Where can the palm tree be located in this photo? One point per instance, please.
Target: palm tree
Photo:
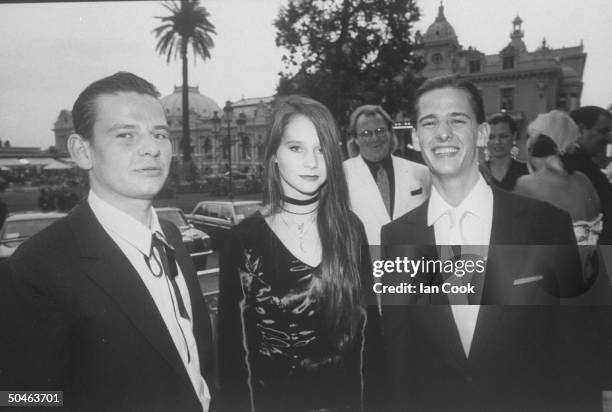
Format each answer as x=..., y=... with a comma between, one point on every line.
x=186, y=25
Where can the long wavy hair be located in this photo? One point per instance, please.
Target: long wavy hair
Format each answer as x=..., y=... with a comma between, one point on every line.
x=337, y=286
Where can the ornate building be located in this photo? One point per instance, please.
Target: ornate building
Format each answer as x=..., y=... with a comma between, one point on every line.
x=213, y=134
x=62, y=128
x=515, y=80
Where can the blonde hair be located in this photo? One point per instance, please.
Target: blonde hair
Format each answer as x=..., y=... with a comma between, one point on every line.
x=557, y=125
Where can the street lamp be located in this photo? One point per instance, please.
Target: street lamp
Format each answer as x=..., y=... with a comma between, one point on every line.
x=216, y=121
x=228, y=115
x=241, y=125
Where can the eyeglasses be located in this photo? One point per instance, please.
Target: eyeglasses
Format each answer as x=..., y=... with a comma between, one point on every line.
x=370, y=134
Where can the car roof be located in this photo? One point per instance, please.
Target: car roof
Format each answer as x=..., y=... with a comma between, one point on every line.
x=34, y=216
x=168, y=209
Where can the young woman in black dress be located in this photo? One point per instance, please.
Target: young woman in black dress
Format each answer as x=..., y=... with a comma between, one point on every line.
x=296, y=315
x=502, y=169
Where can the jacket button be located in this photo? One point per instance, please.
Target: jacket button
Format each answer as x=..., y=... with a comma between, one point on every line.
x=469, y=378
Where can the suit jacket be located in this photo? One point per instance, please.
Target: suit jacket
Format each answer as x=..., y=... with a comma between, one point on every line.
x=412, y=183
x=85, y=323
x=514, y=360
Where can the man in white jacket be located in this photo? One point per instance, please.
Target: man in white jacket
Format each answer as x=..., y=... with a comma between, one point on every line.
x=382, y=187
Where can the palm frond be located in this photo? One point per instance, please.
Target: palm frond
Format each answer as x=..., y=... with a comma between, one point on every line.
x=187, y=23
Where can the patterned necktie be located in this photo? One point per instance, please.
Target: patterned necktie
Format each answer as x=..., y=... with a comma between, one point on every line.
x=161, y=261
x=382, y=181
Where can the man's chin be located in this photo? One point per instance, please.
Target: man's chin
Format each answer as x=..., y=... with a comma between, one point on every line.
x=147, y=192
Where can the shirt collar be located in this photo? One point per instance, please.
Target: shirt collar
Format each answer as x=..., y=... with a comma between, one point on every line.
x=478, y=202
x=123, y=225
x=386, y=162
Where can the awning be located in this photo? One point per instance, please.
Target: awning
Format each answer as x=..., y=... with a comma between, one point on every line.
x=8, y=161
x=27, y=161
x=39, y=161
x=57, y=166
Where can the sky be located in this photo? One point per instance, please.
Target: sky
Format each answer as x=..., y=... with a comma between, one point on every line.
x=49, y=52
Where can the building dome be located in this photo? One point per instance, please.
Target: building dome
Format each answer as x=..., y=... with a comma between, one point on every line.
x=440, y=29
x=198, y=103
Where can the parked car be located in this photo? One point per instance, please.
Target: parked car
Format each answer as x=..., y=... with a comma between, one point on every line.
x=242, y=183
x=217, y=217
x=19, y=227
x=197, y=242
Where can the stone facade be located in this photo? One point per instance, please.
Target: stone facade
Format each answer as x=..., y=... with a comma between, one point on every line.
x=523, y=83
x=62, y=128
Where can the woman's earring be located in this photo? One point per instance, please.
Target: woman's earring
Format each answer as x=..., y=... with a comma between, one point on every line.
x=487, y=154
x=514, y=152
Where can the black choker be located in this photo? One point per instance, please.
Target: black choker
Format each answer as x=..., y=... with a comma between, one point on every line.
x=297, y=202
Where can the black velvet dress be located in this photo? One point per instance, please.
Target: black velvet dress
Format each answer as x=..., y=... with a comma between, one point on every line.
x=516, y=169
x=274, y=353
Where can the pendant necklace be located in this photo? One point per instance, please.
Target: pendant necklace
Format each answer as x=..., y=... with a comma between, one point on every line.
x=301, y=228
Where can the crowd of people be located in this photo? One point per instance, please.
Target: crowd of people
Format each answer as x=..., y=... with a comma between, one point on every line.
x=62, y=196
x=105, y=304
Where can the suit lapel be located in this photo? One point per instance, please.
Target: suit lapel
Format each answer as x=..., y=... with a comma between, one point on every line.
x=506, y=219
x=441, y=325
x=503, y=228
x=420, y=233
x=401, y=193
x=106, y=265
x=486, y=325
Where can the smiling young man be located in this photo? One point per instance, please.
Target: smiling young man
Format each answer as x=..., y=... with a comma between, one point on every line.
x=108, y=298
x=448, y=351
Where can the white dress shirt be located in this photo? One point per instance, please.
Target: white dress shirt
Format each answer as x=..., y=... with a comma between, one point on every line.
x=469, y=223
x=134, y=240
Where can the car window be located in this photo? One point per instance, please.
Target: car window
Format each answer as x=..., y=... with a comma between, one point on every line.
x=247, y=210
x=200, y=210
x=25, y=228
x=226, y=212
x=212, y=210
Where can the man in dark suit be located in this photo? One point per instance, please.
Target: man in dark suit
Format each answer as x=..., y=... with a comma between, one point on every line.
x=106, y=305
x=595, y=124
x=465, y=351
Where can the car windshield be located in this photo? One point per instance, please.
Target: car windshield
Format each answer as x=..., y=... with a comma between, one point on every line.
x=16, y=229
x=247, y=210
x=173, y=216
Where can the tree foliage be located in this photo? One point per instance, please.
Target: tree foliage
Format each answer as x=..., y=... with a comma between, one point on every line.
x=349, y=52
x=186, y=25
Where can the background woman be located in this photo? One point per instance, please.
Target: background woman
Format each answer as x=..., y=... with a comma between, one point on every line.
x=294, y=279
x=550, y=135
x=501, y=167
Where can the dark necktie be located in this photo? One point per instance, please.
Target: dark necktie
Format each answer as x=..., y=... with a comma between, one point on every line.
x=161, y=261
x=475, y=279
x=382, y=181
